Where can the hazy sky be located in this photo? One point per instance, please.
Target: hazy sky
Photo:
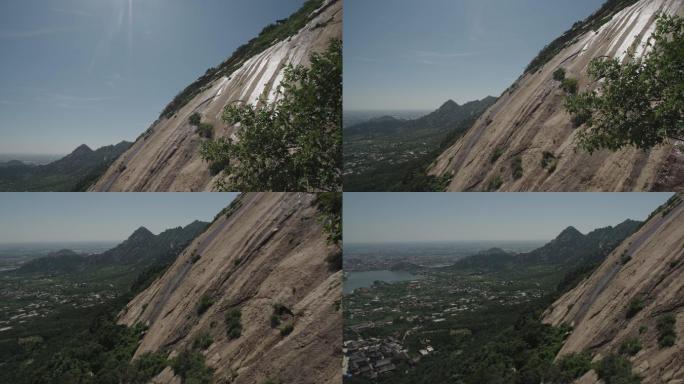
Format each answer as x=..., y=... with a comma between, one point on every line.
x=407, y=217
x=67, y=217
x=408, y=54
x=100, y=71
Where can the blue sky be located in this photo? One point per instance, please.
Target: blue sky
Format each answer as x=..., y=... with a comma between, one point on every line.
x=414, y=55
x=98, y=72
x=74, y=217
x=409, y=217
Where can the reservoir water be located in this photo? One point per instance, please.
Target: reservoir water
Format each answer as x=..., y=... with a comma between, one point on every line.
x=354, y=280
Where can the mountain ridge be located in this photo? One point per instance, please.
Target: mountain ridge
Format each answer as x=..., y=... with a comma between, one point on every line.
x=73, y=172
x=141, y=249
x=570, y=248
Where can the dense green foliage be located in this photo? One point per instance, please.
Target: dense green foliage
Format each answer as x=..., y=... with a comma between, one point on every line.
x=295, y=144
x=614, y=369
x=559, y=74
x=270, y=35
x=190, y=366
x=639, y=103
x=329, y=205
x=569, y=85
x=666, y=330
x=205, y=130
x=91, y=349
x=572, y=366
x=195, y=119
x=517, y=348
x=233, y=323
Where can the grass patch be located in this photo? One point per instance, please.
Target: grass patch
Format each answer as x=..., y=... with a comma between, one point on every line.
x=630, y=347
x=204, y=304
x=496, y=155
x=234, y=323
x=190, y=366
x=495, y=184
x=195, y=119
x=202, y=341
x=666, y=330
x=634, y=307
x=572, y=366
x=614, y=369
x=559, y=74
x=517, y=168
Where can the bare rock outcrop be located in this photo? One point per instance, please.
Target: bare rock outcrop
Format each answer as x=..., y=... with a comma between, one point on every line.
x=645, y=273
x=529, y=123
x=166, y=157
x=268, y=250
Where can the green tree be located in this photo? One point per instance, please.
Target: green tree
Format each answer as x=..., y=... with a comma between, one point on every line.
x=234, y=323
x=294, y=144
x=559, y=74
x=640, y=102
x=329, y=207
x=195, y=119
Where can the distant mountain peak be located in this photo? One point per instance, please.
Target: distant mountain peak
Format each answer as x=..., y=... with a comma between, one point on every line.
x=383, y=119
x=492, y=251
x=569, y=233
x=62, y=252
x=83, y=148
x=141, y=233
x=449, y=104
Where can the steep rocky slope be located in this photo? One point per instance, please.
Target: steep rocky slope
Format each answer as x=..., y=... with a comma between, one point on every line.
x=265, y=249
x=648, y=267
x=529, y=122
x=166, y=158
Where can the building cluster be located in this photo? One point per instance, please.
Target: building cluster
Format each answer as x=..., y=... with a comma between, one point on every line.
x=372, y=357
